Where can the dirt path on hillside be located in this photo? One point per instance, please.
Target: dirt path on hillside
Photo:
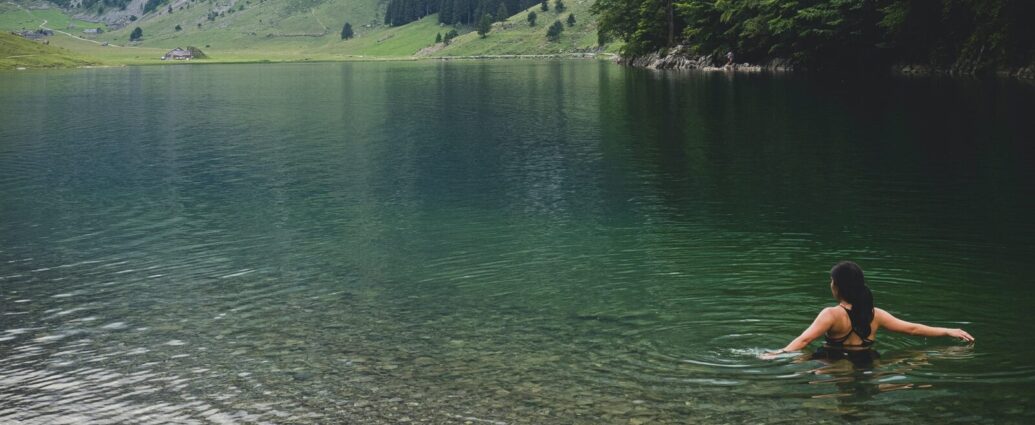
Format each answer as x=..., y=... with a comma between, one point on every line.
x=43, y=26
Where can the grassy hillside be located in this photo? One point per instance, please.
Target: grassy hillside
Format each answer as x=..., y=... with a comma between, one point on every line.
x=281, y=30
x=17, y=52
x=14, y=17
x=516, y=37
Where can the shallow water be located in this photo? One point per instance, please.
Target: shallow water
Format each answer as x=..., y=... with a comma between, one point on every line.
x=504, y=242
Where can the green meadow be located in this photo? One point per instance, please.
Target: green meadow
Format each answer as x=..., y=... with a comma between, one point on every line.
x=301, y=30
x=17, y=52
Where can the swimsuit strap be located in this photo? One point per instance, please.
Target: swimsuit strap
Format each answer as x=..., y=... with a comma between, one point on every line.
x=851, y=330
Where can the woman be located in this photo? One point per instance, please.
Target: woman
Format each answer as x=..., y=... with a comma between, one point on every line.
x=851, y=327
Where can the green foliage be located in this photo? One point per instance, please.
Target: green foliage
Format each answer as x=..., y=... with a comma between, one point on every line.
x=137, y=34
x=400, y=12
x=196, y=53
x=450, y=36
x=531, y=18
x=830, y=33
x=501, y=13
x=346, y=31
x=484, y=25
x=151, y=5
x=559, y=6
x=178, y=28
x=543, y=6
x=571, y=19
x=438, y=38
x=555, y=30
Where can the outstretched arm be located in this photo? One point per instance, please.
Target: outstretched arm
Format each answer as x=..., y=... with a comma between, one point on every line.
x=819, y=327
x=894, y=324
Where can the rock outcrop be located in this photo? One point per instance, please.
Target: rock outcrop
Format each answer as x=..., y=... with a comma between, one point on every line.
x=679, y=57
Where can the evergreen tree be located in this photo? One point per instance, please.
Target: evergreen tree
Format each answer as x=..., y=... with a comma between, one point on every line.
x=178, y=27
x=438, y=38
x=571, y=19
x=484, y=25
x=544, y=7
x=977, y=34
x=346, y=31
x=501, y=12
x=445, y=12
x=554, y=33
x=559, y=6
x=531, y=18
x=137, y=34
x=450, y=36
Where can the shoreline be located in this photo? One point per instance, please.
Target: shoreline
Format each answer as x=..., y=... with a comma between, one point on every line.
x=358, y=58
x=679, y=59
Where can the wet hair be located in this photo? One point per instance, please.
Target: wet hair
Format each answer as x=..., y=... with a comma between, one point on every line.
x=851, y=287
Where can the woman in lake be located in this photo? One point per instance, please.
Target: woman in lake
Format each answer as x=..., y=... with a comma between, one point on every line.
x=851, y=327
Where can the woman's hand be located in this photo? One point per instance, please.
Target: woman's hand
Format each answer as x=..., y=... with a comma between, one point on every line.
x=959, y=333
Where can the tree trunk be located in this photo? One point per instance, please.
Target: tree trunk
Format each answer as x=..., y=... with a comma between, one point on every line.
x=671, y=25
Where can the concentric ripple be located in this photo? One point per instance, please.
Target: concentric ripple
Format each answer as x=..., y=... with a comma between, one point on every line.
x=504, y=243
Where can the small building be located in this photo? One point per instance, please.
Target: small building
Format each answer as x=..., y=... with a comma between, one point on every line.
x=35, y=34
x=93, y=31
x=178, y=54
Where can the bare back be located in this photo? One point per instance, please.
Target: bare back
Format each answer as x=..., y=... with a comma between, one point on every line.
x=842, y=326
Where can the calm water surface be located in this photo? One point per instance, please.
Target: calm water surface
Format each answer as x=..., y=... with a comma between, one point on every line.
x=504, y=243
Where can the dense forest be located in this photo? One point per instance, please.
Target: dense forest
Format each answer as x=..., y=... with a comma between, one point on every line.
x=451, y=12
x=86, y=4
x=968, y=35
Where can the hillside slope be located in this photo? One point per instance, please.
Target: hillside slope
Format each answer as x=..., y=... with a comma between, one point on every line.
x=250, y=30
x=516, y=37
x=17, y=52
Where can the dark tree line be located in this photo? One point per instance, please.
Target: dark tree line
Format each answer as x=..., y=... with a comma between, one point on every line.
x=152, y=5
x=830, y=33
x=452, y=12
x=86, y=4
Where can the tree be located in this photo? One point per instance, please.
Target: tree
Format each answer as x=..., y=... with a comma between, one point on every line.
x=137, y=34
x=132, y=18
x=178, y=28
x=438, y=38
x=544, y=7
x=450, y=36
x=501, y=12
x=531, y=18
x=554, y=33
x=346, y=31
x=571, y=19
x=484, y=25
x=559, y=6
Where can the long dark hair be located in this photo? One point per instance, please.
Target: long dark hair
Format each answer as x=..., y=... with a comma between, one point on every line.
x=851, y=287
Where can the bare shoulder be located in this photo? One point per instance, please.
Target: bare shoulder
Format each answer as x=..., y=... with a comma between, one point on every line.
x=827, y=313
x=882, y=315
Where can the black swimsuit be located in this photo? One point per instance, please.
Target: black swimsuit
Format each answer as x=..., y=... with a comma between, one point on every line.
x=839, y=343
x=835, y=349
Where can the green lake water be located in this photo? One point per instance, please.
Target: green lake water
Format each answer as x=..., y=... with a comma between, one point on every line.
x=558, y=242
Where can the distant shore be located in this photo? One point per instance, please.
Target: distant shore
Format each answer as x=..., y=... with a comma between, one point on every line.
x=243, y=57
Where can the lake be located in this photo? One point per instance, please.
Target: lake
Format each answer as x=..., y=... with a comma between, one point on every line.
x=505, y=242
